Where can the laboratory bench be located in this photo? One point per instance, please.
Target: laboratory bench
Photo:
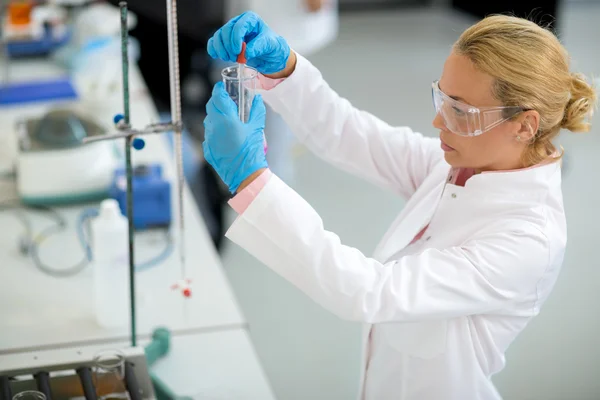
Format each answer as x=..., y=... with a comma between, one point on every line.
x=205, y=366
x=211, y=355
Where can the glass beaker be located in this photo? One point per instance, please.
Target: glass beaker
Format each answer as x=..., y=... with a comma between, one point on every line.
x=243, y=88
x=109, y=375
x=29, y=395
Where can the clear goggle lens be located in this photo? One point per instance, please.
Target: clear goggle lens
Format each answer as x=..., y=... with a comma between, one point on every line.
x=466, y=120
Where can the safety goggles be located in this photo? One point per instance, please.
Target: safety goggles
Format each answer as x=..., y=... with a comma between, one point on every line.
x=466, y=120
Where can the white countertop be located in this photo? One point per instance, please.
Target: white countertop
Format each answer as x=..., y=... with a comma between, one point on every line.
x=208, y=366
x=211, y=355
x=39, y=311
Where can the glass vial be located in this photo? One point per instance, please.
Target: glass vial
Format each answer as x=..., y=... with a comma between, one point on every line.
x=109, y=375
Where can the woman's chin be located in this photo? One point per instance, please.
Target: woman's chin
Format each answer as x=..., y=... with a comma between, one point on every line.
x=452, y=158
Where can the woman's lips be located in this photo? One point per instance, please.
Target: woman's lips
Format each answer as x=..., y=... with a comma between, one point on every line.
x=446, y=148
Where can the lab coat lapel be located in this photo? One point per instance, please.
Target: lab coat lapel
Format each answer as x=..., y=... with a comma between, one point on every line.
x=416, y=215
x=365, y=355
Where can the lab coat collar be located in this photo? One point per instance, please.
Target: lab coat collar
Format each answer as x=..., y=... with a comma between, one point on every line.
x=488, y=193
x=530, y=182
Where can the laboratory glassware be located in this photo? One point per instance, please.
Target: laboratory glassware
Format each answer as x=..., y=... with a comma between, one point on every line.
x=109, y=375
x=241, y=88
x=29, y=395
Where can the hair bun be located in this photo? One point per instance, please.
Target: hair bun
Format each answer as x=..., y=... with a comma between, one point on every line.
x=580, y=106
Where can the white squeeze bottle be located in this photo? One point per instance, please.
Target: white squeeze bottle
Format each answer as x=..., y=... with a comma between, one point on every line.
x=110, y=263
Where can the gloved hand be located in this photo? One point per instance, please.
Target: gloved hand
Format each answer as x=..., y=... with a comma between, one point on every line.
x=266, y=51
x=233, y=148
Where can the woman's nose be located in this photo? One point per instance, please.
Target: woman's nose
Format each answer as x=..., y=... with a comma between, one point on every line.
x=438, y=122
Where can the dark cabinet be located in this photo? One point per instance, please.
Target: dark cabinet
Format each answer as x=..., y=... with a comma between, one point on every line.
x=543, y=12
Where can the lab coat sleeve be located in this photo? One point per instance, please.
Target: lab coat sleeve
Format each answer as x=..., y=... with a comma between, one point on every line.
x=392, y=157
x=494, y=272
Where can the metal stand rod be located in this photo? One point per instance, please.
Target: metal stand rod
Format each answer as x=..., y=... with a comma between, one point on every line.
x=125, y=133
x=5, y=390
x=176, y=118
x=128, y=167
x=87, y=383
x=133, y=388
x=43, y=383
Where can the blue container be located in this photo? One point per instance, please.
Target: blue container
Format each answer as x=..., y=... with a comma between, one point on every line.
x=151, y=196
x=60, y=89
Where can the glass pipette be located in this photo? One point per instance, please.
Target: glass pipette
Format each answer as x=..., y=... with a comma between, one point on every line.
x=241, y=61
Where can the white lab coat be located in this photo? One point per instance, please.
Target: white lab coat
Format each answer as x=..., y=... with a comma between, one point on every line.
x=443, y=310
x=306, y=32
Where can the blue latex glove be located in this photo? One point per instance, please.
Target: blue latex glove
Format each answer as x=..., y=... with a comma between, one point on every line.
x=266, y=51
x=233, y=148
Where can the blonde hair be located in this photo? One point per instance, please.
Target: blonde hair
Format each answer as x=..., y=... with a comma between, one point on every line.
x=531, y=70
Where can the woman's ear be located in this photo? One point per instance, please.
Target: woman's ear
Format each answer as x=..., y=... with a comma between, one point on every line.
x=530, y=123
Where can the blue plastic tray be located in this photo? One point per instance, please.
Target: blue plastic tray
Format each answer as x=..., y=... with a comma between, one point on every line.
x=43, y=46
x=20, y=93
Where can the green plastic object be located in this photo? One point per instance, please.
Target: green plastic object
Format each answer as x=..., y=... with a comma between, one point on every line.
x=163, y=392
x=155, y=350
x=159, y=347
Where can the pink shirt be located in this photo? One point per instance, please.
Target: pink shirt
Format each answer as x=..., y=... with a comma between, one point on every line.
x=268, y=83
x=243, y=199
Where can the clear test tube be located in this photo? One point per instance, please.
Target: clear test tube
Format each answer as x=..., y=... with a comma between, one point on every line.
x=247, y=85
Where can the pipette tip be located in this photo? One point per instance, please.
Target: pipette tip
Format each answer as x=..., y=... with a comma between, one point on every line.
x=241, y=58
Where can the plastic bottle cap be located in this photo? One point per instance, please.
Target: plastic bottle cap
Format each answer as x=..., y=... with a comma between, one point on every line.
x=118, y=118
x=138, y=143
x=109, y=209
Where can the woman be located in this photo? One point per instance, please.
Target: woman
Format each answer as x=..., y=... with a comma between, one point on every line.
x=479, y=245
x=308, y=26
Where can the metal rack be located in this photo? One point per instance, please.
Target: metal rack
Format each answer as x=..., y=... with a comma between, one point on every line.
x=66, y=373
